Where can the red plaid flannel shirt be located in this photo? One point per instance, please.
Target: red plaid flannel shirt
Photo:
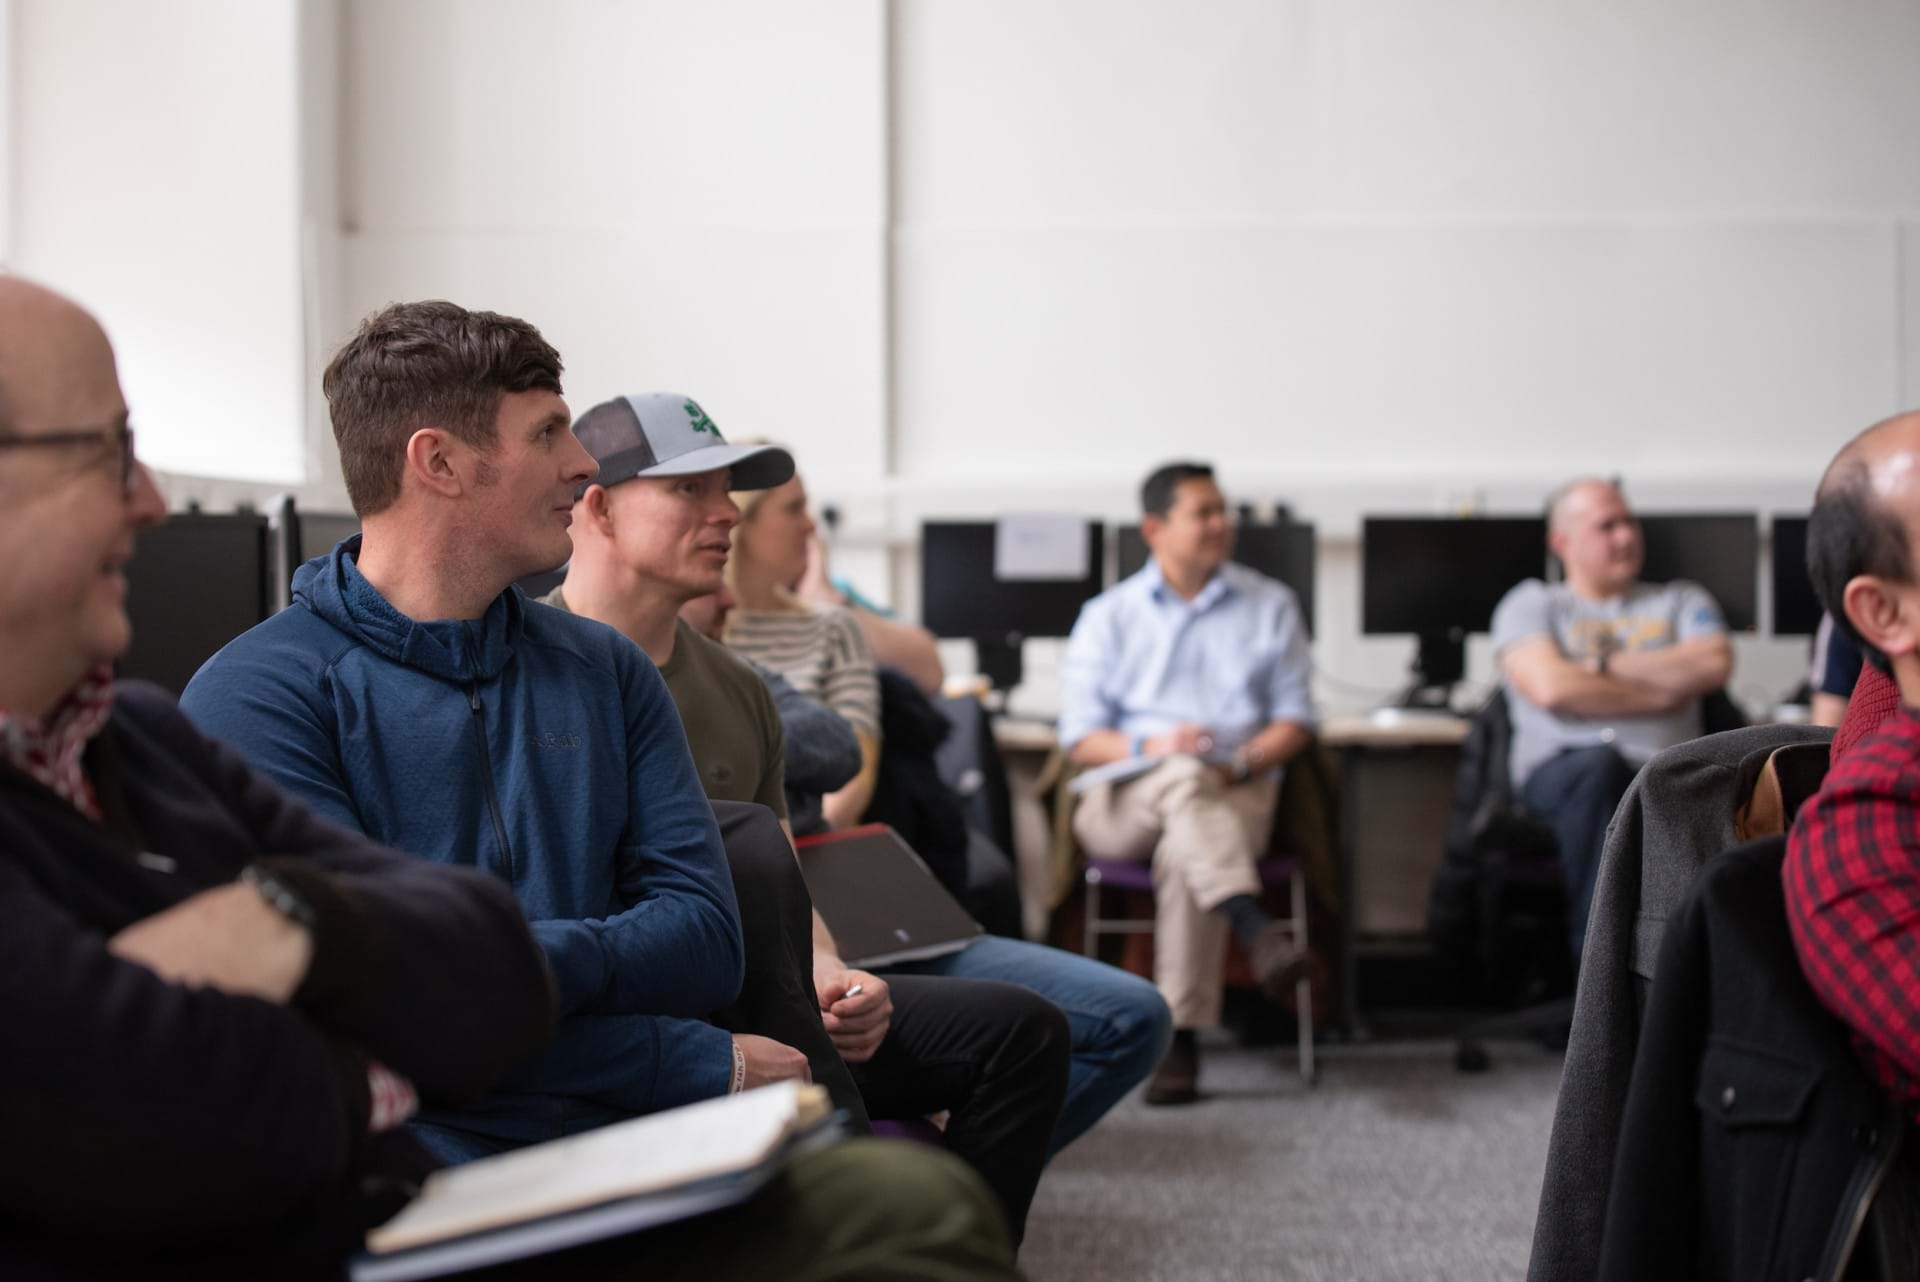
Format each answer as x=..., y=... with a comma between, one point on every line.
x=1852, y=880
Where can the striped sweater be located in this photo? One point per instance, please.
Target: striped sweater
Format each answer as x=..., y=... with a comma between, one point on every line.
x=822, y=652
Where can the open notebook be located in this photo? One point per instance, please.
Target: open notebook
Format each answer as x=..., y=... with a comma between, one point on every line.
x=620, y=1178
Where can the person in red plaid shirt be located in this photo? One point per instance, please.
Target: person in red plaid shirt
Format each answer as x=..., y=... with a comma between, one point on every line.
x=1852, y=872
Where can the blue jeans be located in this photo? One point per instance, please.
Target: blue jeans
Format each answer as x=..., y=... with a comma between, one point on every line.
x=1575, y=794
x=1121, y=1025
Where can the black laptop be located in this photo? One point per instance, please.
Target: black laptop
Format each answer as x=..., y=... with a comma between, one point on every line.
x=879, y=900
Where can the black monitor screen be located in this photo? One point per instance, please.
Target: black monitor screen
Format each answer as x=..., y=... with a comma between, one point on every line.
x=321, y=531
x=1796, y=609
x=1283, y=552
x=961, y=597
x=195, y=583
x=1432, y=575
x=1720, y=551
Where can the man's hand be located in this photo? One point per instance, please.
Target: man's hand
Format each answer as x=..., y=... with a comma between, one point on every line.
x=769, y=1061
x=1187, y=738
x=857, y=1024
x=225, y=938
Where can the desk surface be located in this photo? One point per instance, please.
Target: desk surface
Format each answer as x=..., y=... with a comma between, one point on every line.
x=1015, y=735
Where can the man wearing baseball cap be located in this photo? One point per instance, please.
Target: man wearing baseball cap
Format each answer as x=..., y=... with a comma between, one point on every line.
x=650, y=533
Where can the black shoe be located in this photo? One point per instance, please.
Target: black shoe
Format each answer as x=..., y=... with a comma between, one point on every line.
x=1177, y=1080
x=1276, y=963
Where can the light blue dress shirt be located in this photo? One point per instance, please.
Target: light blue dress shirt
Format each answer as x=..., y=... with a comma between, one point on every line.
x=1142, y=660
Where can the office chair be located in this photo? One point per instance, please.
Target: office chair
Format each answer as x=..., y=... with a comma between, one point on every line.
x=1277, y=872
x=1498, y=907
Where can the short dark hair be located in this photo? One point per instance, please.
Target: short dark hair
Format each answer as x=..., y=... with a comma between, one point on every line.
x=1849, y=534
x=425, y=364
x=1157, y=494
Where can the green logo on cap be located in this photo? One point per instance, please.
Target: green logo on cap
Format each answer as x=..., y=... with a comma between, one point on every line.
x=701, y=423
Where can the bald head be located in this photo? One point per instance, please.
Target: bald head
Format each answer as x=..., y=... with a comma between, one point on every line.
x=1593, y=532
x=56, y=366
x=1865, y=515
x=1568, y=503
x=1885, y=459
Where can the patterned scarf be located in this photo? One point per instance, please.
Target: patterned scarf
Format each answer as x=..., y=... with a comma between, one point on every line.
x=49, y=751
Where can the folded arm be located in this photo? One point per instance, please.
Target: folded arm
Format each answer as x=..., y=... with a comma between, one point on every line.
x=1681, y=672
x=184, y=1114
x=1537, y=670
x=430, y=968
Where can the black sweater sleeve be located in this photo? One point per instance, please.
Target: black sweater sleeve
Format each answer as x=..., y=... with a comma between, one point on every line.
x=171, y=1114
x=431, y=969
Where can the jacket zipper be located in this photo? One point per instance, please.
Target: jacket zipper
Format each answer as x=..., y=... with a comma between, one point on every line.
x=486, y=773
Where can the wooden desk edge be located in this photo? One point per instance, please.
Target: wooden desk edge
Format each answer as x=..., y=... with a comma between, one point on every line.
x=1335, y=732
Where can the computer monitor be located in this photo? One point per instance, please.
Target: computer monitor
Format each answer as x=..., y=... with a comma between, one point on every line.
x=321, y=532
x=960, y=596
x=1284, y=552
x=1439, y=579
x=196, y=582
x=1796, y=609
x=1718, y=550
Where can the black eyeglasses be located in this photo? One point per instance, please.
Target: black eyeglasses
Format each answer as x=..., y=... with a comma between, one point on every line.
x=115, y=435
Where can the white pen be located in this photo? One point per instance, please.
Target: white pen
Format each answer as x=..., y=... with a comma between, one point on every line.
x=852, y=992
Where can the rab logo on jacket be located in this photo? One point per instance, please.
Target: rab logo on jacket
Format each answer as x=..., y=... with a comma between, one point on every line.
x=555, y=742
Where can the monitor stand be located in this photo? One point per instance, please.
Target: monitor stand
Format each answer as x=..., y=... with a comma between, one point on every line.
x=1440, y=663
x=998, y=660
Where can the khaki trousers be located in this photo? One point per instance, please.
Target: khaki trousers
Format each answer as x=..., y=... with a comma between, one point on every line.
x=1204, y=836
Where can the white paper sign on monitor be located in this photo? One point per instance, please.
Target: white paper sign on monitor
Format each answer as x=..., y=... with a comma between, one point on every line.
x=1040, y=547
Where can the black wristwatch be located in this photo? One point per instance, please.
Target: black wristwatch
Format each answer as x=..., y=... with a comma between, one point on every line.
x=279, y=896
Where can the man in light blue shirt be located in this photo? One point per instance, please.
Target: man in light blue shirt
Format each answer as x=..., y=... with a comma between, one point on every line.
x=1186, y=686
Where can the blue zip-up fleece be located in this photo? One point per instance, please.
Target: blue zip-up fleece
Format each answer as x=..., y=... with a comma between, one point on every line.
x=545, y=749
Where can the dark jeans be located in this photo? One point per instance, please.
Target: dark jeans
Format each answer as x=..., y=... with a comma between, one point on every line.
x=776, y=918
x=1121, y=1025
x=1575, y=794
x=994, y=1054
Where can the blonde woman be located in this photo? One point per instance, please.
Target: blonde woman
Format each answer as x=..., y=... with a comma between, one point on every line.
x=822, y=651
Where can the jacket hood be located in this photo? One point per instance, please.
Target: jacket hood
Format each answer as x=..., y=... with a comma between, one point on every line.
x=461, y=650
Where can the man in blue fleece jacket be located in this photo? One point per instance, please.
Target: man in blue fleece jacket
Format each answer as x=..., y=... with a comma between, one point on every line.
x=412, y=694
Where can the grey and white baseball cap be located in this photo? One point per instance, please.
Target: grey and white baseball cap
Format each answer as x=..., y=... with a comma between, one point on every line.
x=666, y=434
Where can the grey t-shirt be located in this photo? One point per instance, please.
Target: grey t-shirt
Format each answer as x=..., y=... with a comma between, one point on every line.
x=1647, y=617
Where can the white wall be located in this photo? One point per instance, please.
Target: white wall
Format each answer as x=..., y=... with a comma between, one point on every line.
x=1403, y=243
x=154, y=174
x=684, y=197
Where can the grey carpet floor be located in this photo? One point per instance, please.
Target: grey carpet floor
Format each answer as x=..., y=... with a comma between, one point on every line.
x=1394, y=1168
